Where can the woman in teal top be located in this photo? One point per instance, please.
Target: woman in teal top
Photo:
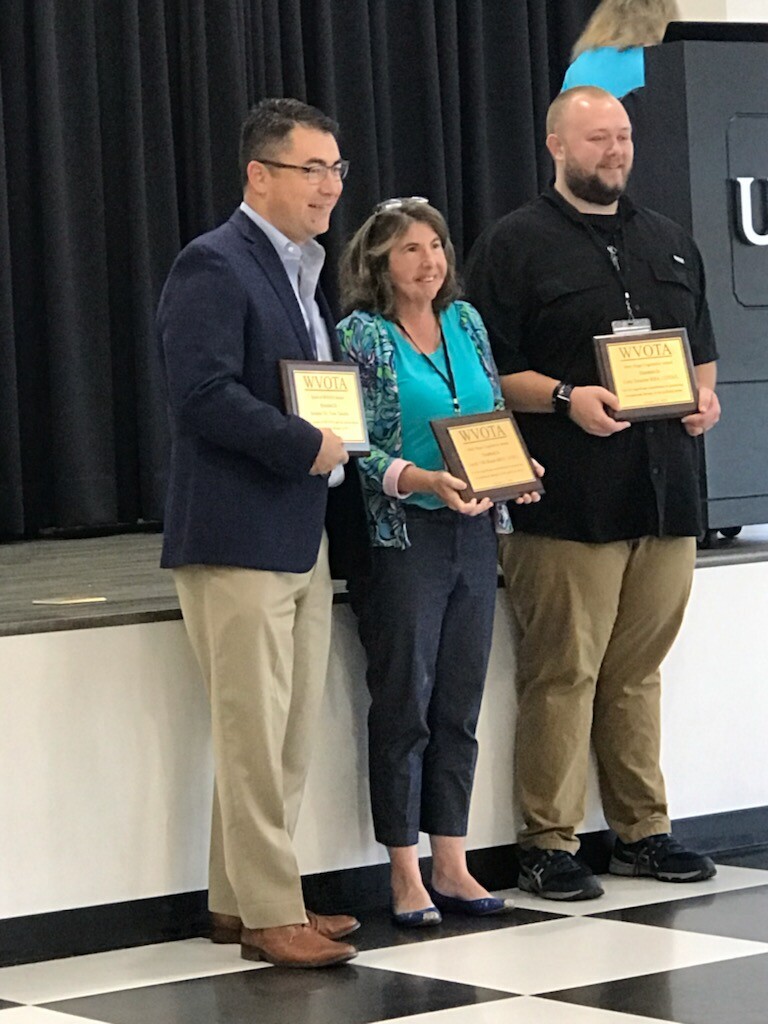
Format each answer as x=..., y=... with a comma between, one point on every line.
x=421, y=401
x=427, y=614
x=610, y=51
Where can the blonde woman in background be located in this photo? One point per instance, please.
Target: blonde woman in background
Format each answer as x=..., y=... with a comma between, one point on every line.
x=609, y=52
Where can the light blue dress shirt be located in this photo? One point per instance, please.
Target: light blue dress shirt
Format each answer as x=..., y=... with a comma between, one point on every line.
x=302, y=264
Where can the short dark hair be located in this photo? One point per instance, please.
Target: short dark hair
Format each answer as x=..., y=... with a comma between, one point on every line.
x=364, y=269
x=268, y=125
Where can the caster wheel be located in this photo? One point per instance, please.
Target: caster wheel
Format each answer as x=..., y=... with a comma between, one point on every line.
x=709, y=540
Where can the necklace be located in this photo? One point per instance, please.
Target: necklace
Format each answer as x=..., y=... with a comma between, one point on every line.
x=446, y=377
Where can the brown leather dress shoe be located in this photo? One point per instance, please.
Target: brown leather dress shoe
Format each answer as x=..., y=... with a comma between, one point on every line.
x=293, y=945
x=333, y=926
x=226, y=928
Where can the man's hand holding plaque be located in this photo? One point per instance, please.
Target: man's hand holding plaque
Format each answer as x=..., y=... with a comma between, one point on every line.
x=650, y=372
x=488, y=452
x=329, y=396
x=707, y=414
x=595, y=409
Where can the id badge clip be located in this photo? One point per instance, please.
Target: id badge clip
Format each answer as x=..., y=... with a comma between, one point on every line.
x=630, y=326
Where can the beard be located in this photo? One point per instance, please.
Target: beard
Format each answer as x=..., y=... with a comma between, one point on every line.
x=591, y=188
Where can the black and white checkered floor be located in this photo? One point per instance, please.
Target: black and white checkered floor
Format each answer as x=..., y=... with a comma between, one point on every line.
x=694, y=954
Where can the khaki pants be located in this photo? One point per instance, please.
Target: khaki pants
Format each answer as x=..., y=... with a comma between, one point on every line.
x=594, y=623
x=262, y=641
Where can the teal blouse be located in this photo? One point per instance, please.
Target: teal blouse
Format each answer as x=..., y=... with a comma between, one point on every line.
x=426, y=395
x=369, y=341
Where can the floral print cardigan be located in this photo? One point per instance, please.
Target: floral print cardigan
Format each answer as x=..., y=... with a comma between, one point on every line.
x=365, y=341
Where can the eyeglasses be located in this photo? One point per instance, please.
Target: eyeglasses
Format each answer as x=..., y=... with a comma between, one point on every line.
x=397, y=204
x=315, y=173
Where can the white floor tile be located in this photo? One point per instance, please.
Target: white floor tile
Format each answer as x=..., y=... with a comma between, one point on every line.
x=525, y=1010
x=554, y=955
x=118, y=969
x=621, y=893
x=37, y=1015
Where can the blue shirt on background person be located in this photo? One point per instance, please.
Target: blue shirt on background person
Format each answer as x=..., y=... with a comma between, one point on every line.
x=616, y=71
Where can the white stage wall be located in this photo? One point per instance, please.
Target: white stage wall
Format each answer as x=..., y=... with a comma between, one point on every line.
x=105, y=757
x=724, y=10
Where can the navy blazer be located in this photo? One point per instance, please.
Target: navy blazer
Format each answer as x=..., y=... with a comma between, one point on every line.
x=240, y=492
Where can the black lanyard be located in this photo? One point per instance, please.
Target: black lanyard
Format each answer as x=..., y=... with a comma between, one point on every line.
x=447, y=377
x=612, y=254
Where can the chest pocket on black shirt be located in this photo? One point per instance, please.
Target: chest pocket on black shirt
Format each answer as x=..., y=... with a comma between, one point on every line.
x=679, y=287
x=674, y=273
x=571, y=310
x=569, y=283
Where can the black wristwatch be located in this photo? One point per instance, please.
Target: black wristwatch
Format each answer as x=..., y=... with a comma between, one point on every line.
x=561, y=399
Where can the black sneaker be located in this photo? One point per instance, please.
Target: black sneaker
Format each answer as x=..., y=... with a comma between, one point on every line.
x=660, y=857
x=556, y=875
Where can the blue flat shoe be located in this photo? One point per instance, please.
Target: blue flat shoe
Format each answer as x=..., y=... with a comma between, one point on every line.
x=483, y=907
x=417, y=918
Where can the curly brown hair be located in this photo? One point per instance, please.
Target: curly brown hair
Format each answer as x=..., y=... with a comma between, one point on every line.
x=364, y=269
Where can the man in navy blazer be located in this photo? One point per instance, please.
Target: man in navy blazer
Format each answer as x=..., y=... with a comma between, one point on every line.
x=244, y=526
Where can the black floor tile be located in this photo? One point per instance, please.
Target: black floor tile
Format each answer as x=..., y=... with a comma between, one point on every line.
x=272, y=995
x=739, y=915
x=727, y=992
x=378, y=930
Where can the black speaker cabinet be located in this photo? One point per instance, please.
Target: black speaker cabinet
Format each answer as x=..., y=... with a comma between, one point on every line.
x=701, y=127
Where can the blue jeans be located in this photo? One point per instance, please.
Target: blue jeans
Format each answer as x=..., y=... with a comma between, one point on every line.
x=426, y=624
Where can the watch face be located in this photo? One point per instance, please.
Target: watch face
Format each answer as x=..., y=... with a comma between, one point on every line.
x=563, y=399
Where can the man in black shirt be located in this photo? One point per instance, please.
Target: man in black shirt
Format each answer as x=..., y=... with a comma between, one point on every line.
x=599, y=573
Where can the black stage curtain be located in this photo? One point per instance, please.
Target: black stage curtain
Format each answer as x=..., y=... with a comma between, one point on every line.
x=118, y=141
